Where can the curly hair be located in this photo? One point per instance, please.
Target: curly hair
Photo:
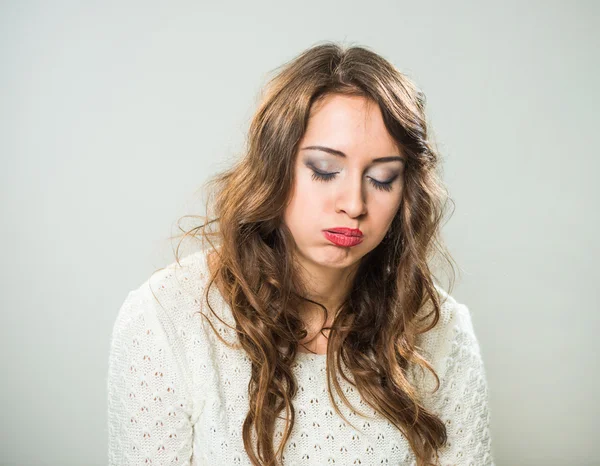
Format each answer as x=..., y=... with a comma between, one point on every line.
x=374, y=332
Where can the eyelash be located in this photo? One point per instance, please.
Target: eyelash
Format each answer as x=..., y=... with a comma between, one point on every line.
x=377, y=184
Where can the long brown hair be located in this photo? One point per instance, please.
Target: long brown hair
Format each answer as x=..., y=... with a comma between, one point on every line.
x=374, y=332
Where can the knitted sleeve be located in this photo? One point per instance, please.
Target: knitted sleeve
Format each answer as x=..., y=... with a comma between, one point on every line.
x=462, y=399
x=149, y=410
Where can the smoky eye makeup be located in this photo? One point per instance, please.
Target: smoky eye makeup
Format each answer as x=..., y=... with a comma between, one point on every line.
x=320, y=163
x=325, y=176
x=325, y=169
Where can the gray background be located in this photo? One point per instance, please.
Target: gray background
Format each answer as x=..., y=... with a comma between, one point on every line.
x=114, y=113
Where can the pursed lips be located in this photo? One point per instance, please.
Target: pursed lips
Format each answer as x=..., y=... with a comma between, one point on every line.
x=346, y=231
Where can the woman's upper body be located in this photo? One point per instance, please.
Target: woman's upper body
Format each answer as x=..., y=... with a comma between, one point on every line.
x=177, y=395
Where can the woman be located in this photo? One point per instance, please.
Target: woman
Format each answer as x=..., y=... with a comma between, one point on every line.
x=313, y=331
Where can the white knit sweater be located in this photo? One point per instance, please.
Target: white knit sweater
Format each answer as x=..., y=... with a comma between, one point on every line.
x=178, y=396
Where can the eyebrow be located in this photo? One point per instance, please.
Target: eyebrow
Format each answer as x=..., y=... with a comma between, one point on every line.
x=339, y=153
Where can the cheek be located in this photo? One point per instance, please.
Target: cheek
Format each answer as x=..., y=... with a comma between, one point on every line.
x=385, y=204
x=383, y=213
x=313, y=196
x=302, y=212
x=309, y=208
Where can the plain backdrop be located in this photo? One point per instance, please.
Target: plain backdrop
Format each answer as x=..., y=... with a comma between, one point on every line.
x=113, y=114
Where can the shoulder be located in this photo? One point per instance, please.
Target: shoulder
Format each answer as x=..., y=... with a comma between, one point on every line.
x=167, y=298
x=454, y=315
x=454, y=327
x=162, y=313
x=169, y=283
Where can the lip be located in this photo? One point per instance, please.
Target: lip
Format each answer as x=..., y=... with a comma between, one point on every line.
x=339, y=239
x=355, y=232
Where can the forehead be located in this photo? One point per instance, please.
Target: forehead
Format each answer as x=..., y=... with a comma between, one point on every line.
x=349, y=122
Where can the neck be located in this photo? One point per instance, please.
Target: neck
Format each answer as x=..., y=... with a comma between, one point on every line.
x=327, y=286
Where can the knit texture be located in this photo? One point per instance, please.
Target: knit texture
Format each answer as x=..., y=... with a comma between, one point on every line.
x=178, y=396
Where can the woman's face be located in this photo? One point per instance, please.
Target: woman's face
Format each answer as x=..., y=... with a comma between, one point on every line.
x=351, y=189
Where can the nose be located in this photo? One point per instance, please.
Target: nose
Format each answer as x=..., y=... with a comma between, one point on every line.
x=350, y=197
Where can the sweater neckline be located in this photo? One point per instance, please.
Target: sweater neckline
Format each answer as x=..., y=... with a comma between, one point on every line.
x=311, y=358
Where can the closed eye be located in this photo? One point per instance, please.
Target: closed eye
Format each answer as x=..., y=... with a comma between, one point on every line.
x=381, y=185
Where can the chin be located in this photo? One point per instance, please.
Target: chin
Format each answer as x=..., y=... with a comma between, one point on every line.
x=336, y=257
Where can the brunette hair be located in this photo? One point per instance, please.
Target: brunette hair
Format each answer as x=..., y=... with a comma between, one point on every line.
x=374, y=332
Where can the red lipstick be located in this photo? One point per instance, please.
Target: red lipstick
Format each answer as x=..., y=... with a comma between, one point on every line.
x=345, y=237
x=346, y=231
